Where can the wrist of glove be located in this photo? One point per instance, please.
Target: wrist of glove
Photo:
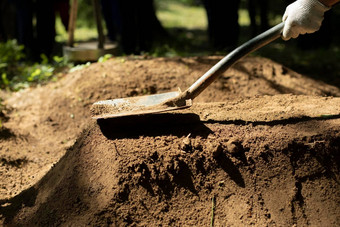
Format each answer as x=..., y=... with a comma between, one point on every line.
x=301, y=17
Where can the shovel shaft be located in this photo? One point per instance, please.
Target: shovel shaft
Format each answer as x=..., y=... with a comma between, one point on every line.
x=225, y=63
x=72, y=22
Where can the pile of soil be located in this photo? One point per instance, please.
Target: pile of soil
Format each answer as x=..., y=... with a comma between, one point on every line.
x=259, y=147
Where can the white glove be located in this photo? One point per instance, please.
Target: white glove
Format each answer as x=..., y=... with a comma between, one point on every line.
x=301, y=17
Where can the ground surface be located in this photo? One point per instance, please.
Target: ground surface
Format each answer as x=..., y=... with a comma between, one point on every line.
x=259, y=147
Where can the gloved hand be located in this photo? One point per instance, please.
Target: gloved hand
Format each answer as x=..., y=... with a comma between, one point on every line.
x=301, y=17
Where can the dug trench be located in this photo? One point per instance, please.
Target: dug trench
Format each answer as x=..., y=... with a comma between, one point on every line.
x=260, y=147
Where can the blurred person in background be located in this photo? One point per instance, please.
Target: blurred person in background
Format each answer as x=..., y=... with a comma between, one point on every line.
x=223, y=27
x=258, y=7
x=39, y=37
x=133, y=23
x=110, y=9
x=62, y=7
x=7, y=20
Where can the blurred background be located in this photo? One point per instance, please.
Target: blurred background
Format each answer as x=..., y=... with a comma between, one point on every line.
x=33, y=33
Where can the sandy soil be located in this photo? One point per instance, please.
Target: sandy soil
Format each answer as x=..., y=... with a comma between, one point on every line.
x=259, y=147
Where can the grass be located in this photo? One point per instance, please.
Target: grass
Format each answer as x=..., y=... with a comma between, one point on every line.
x=172, y=14
x=81, y=33
x=213, y=204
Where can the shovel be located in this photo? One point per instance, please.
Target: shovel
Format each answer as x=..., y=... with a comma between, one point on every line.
x=157, y=103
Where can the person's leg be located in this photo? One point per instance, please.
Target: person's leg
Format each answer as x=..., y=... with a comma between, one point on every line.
x=45, y=26
x=146, y=24
x=128, y=20
x=2, y=29
x=24, y=17
x=63, y=8
x=107, y=10
x=264, y=14
x=252, y=16
x=223, y=23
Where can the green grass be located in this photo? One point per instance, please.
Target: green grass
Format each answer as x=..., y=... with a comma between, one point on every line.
x=172, y=14
x=81, y=33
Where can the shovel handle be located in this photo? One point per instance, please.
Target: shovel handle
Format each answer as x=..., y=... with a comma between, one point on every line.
x=72, y=22
x=225, y=63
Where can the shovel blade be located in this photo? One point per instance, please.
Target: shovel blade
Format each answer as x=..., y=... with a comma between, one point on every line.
x=139, y=105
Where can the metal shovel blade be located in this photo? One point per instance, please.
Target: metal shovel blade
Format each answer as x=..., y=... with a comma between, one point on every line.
x=146, y=104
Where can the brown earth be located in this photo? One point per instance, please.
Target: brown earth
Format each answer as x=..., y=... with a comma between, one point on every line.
x=259, y=147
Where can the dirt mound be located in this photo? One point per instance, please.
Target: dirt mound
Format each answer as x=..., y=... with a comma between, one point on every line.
x=147, y=171
x=256, y=153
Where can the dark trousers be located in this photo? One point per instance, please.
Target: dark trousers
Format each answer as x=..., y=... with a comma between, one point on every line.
x=134, y=21
x=260, y=7
x=223, y=27
x=37, y=39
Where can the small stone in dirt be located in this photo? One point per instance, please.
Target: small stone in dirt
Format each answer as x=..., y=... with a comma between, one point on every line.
x=234, y=146
x=215, y=148
x=186, y=144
